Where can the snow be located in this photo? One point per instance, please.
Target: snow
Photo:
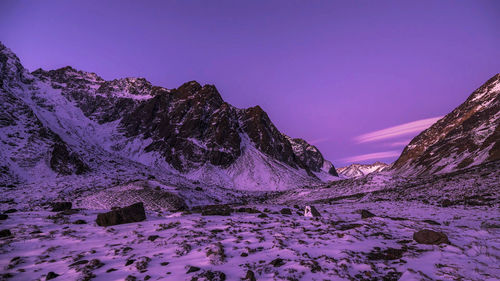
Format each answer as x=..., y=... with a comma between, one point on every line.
x=335, y=246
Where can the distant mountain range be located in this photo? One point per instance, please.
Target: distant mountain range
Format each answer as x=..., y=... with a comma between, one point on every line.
x=360, y=170
x=68, y=122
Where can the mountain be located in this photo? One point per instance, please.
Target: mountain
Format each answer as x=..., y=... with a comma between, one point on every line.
x=467, y=136
x=360, y=170
x=67, y=122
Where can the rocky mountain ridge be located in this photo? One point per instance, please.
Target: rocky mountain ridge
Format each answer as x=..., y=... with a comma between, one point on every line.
x=467, y=136
x=360, y=170
x=190, y=130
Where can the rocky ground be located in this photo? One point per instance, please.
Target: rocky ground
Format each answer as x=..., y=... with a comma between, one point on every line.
x=259, y=242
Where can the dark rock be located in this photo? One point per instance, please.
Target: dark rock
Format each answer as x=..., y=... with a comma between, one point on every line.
x=165, y=263
x=250, y=276
x=277, y=262
x=129, y=262
x=490, y=225
x=430, y=237
x=65, y=162
x=310, y=211
x=348, y=226
x=132, y=213
x=192, y=269
x=262, y=215
x=366, y=214
x=80, y=222
x=153, y=237
x=111, y=270
x=80, y=262
x=3, y=217
x=248, y=210
x=61, y=206
x=9, y=211
x=286, y=211
x=131, y=278
x=446, y=203
x=5, y=233
x=216, y=210
x=51, y=275
x=209, y=275
x=432, y=222
x=387, y=254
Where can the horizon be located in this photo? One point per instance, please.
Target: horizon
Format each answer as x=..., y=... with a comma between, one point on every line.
x=366, y=82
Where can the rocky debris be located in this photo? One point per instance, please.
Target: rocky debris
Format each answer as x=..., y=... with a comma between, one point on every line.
x=191, y=269
x=132, y=213
x=250, y=276
x=310, y=211
x=80, y=222
x=209, y=275
x=277, y=262
x=142, y=263
x=286, y=211
x=247, y=210
x=61, y=206
x=10, y=211
x=3, y=217
x=152, y=238
x=65, y=162
x=366, y=214
x=131, y=278
x=446, y=203
x=387, y=254
x=216, y=210
x=5, y=233
x=262, y=215
x=490, y=224
x=51, y=275
x=430, y=237
x=215, y=253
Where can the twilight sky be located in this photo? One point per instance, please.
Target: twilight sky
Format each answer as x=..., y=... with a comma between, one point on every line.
x=358, y=79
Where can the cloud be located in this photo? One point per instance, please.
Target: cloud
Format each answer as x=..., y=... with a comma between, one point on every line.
x=377, y=155
x=396, y=131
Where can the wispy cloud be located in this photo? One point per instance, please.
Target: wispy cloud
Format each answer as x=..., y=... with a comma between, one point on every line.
x=370, y=156
x=396, y=131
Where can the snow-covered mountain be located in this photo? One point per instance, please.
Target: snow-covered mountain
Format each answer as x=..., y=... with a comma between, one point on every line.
x=467, y=136
x=67, y=122
x=360, y=170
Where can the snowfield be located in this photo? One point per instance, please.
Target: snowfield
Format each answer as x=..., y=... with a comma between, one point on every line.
x=339, y=245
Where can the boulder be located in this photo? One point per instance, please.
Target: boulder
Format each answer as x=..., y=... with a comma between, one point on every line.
x=310, y=211
x=61, y=206
x=430, y=237
x=286, y=211
x=5, y=233
x=366, y=214
x=3, y=217
x=132, y=213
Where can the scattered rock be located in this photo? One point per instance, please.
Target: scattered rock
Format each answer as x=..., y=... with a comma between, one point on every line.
x=5, y=233
x=153, y=237
x=387, y=254
x=277, y=262
x=250, y=276
x=61, y=206
x=142, y=263
x=209, y=276
x=348, y=226
x=216, y=210
x=131, y=278
x=3, y=217
x=111, y=270
x=51, y=275
x=490, y=224
x=132, y=213
x=248, y=210
x=430, y=237
x=80, y=222
x=192, y=269
x=310, y=211
x=10, y=211
x=286, y=211
x=80, y=262
x=366, y=214
x=432, y=222
x=129, y=262
x=262, y=215
x=446, y=203
x=216, y=254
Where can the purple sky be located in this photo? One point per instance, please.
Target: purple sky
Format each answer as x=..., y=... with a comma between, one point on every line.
x=329, y=72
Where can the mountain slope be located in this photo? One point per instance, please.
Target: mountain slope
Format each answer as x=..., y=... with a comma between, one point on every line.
x=76, y=123
x=359, y=170
x=467, y=136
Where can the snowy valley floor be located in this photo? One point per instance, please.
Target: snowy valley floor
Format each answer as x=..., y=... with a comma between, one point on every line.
x=184, y=246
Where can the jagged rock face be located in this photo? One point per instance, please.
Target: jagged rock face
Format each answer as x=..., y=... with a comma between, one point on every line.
x=76, y=122
x=189, y=126
x=469, y=135
x=360, y=170
x=266, y=136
